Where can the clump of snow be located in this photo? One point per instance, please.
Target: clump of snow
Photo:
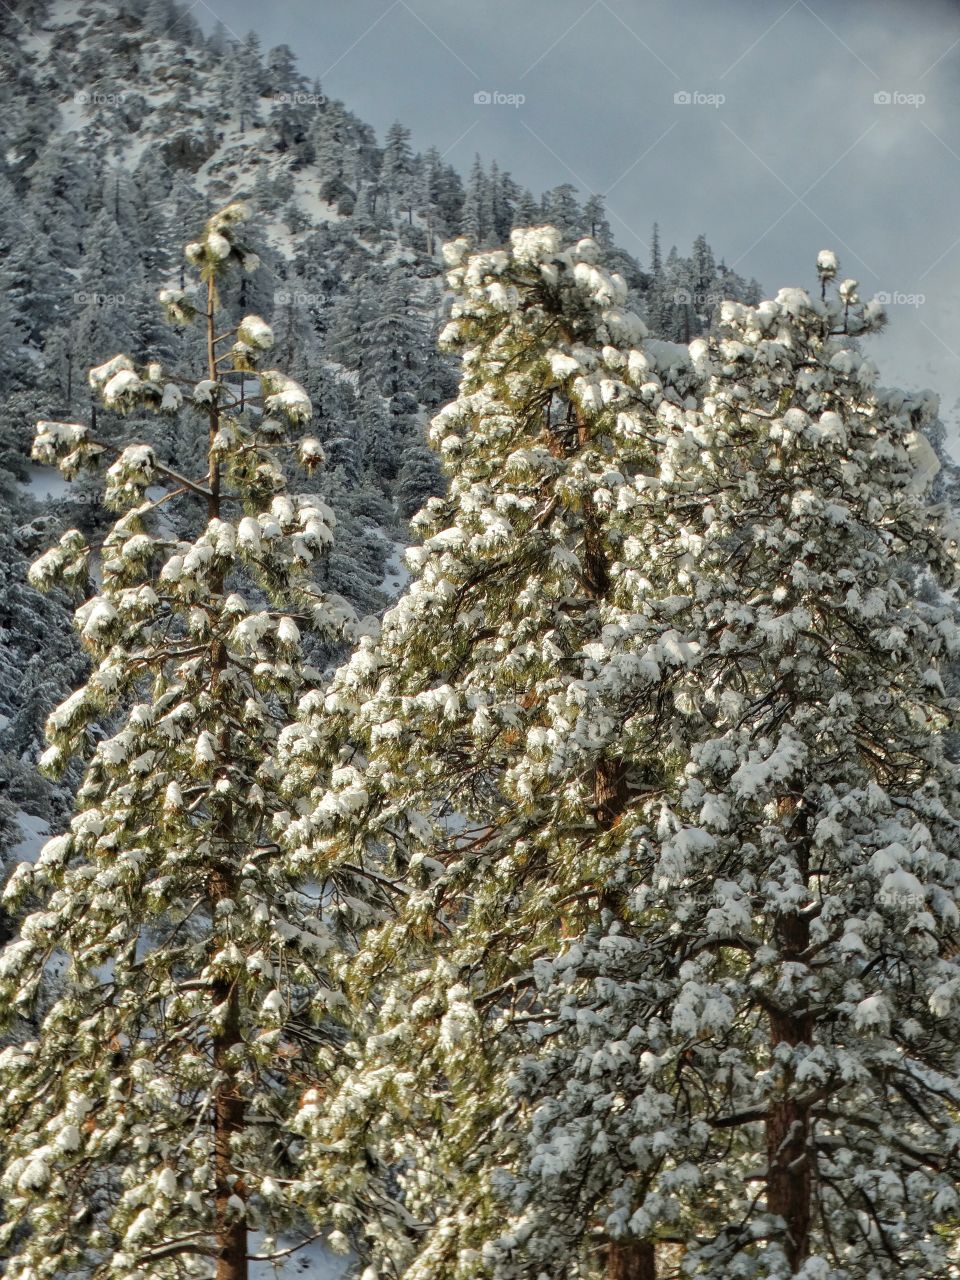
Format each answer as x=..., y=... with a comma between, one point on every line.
x=311, y=453
x=122, y=391
x=218, y=246
x=827, y=264
x=100, y=375
x=256, y=333
x=285, y=396
x=535, y=244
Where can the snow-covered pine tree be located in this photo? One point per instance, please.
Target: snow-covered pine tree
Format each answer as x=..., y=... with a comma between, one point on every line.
x=754, y=1061
x=561, y=207
x=477, y=217
x=146, y=1122
x=490, y=734
x=398, y=168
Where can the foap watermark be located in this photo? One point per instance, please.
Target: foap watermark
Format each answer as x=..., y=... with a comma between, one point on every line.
x=97, y=98
x=899, y=299
x=897, y=98
x=697, y=298
x=301, y=99
x=297, y=298
x=697, y=98
x=86, y=497
x=494, y=98
x=89, y=297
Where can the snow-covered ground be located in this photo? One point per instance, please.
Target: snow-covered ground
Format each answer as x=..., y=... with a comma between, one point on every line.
x=312, y=1262
x=396, y=574
x=34, y=833
x=47, y=482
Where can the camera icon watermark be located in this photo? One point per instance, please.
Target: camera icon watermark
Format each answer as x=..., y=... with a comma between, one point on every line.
x=896, y=98
x=696, y=98
x=301, y=99
x=96, y=98
x=899, y=299
x=494, y=98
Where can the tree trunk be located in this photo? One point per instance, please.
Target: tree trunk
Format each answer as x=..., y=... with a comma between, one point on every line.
x=609, y=792
x=228, y=1120
x=229, y=1112
x=634, y=1260
x=630, y=1259
x=627, y=1259
x=789, y=1177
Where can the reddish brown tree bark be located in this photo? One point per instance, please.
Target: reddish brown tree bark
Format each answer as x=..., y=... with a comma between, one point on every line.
x=789, y=1174
x=634, y=1260
x=228, y=1121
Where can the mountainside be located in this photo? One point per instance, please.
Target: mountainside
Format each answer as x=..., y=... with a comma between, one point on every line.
x=123, y=127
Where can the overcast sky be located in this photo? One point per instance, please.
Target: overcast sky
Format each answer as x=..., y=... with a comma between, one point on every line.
x=830, y=124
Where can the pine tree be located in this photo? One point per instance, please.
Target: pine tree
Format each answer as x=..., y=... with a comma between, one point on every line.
x=476, y=204
x=562, y=209
x=749, y=1057
x=673, y=299
x=146, y=1120
x=703, y=268
x=59, y=200
x=351, y=318
x=397, y=171
x=503, y=195
x=526, y=211
x=110, y=282
x=35, y=283
x=489, y=739
x=151, y=233
x=451, y=197
x=396, y=338
x=596, y=223
x=244, y=86
x=419, y=478
x=40, y=661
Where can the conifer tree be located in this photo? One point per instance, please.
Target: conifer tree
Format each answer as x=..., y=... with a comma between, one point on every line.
x=596, y=223
x=398, y=168
x=146, y=1120
x=656, y=260
x=748, y=1060
x=656, y=746
x=477, y=205
x=477, y=750
x=244, y=83
x=775, y=1015
x=562, y=208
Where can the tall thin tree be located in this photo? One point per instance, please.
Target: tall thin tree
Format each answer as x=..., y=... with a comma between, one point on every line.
x=146, y=1122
